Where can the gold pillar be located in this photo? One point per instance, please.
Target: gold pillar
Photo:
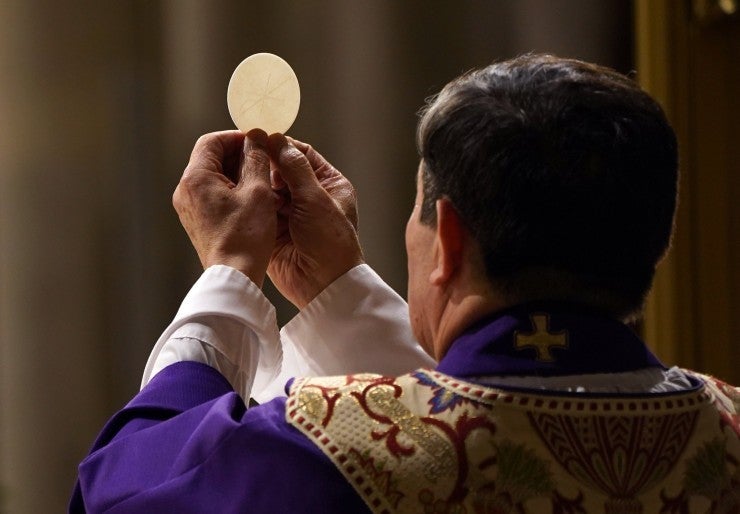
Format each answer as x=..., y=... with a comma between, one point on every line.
x=688, y=61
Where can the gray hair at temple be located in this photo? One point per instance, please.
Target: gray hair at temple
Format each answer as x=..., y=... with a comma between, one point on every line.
x=564, y=172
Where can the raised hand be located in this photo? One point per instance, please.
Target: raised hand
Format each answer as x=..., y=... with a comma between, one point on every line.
x=317, y=222
x=226, y=204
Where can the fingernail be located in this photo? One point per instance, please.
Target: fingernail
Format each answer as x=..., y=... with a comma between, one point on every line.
x=276, y=180
x=257, y=137
x=276, y=142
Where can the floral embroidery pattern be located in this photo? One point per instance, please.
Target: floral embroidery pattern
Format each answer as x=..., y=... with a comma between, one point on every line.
x=709, y=474
x=382, y=479
x=426, y=442
x=727, y=399
x=521, y=476
x=442, y=399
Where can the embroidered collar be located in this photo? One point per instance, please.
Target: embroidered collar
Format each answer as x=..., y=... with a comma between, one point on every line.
x=546, y=339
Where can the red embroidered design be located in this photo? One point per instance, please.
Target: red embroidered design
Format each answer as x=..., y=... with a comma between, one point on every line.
x=427, y=442
x=383, y=480
x=622, y=456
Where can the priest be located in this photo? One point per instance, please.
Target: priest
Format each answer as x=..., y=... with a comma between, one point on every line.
x=511, y=382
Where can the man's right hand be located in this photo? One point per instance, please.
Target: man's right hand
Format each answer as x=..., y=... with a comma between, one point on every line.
x=225, y=202
x=317, y=224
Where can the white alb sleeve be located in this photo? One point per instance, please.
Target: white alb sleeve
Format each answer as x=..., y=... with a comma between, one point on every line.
x=226, y=322
x=357, y=324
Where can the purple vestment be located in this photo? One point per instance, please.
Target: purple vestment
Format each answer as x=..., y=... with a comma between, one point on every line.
x=186, y=442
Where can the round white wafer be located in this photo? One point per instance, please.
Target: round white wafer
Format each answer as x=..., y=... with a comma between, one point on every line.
x=263, y=93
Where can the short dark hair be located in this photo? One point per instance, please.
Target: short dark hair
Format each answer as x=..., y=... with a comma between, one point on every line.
x=564, y=172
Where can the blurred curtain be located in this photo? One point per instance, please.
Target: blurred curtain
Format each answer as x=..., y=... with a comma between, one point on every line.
x=100, y=103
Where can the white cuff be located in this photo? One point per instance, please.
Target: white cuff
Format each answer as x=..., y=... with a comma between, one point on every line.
x=225, y=311
x=357, y=324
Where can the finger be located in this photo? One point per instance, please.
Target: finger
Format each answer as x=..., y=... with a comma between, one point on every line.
x=336, y=184
x=211, y=150
x=256, y=161
x=303, y=147
x=320, y=165
x=292, y=164
x=276, y=179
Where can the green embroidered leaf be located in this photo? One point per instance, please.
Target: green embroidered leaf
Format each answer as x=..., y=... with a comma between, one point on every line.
x=706, y=472
x=522, y=473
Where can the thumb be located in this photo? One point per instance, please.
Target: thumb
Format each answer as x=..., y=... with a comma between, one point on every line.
x=292, y=164
x=255, y=165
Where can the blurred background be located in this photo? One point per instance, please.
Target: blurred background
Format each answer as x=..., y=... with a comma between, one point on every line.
x=101, y=102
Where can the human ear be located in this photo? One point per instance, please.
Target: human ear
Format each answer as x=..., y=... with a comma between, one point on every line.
x=448, y=244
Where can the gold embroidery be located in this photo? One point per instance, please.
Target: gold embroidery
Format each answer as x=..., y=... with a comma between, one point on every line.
x=541, y=339
x=523, y=461
x=312, y=403
x=443, y=454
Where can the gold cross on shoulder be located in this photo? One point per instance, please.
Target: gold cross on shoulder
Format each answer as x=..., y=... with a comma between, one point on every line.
x=541, y=339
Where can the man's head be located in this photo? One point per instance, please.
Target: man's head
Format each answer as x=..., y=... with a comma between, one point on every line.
x=564, y=173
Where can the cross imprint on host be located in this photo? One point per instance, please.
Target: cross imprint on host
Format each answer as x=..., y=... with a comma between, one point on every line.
x=541, y=339
x=264, y=95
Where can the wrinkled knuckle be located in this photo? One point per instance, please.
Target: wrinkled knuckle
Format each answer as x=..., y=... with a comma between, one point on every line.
x=188, y=181
x=293, y=158
x=260, y=191
x=350, y=189
x=182, y=191
x=203, y=140
x=344, y=184
x=346, y=191
x=259, y=158
x=177, y=198
x=188, y=185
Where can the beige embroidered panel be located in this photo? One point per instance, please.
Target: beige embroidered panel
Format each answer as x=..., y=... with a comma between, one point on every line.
x=426, y=442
